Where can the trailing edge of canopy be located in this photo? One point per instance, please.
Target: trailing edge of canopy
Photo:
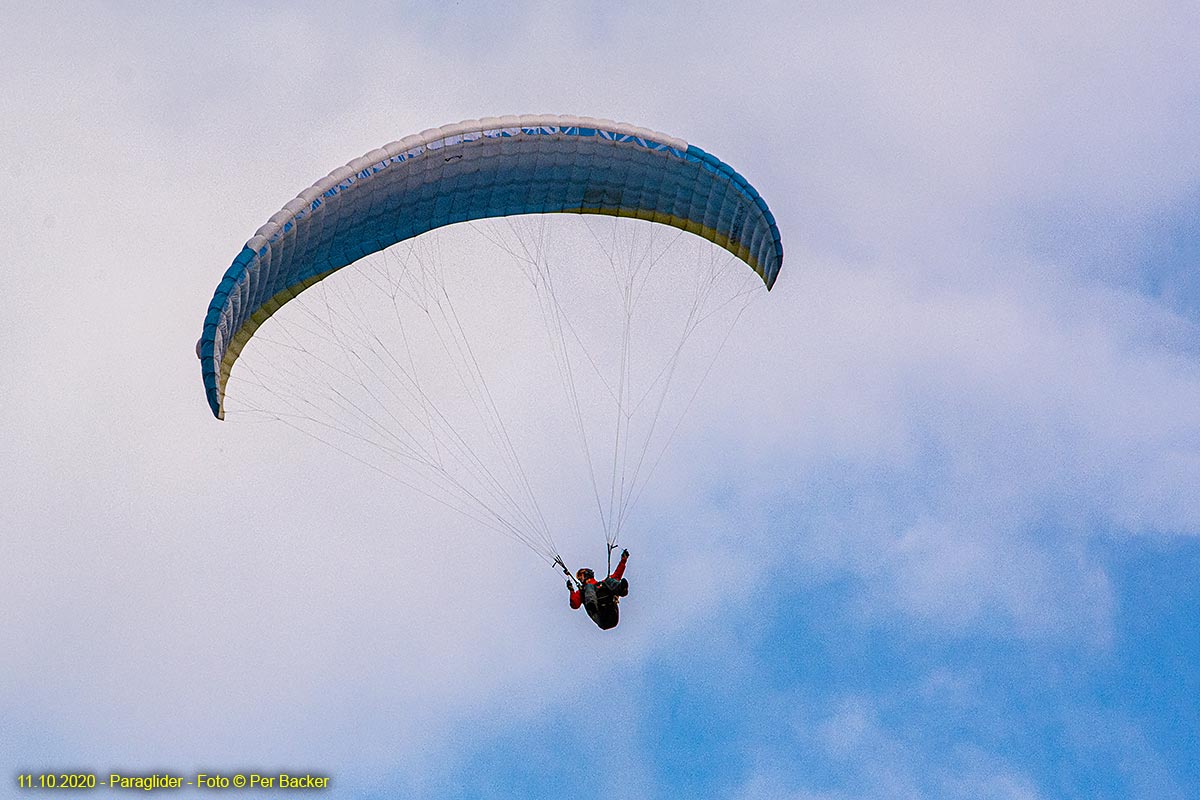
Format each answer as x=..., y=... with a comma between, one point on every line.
x=473, y=170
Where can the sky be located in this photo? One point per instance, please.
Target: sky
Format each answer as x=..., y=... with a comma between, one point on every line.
x=930, y=531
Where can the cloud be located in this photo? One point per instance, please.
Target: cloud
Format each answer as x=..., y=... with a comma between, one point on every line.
x=959, y=445
x=956, y=389
x=853, y=752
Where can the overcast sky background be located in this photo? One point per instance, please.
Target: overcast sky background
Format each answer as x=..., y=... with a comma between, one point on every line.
x=933, y=535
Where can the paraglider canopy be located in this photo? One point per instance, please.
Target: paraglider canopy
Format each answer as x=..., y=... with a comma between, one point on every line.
x=492, y=167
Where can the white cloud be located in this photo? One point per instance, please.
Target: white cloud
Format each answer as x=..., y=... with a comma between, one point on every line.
x=853, y=752
x=948, y=417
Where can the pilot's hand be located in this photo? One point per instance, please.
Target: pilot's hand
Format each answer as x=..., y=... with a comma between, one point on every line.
x=570, y=586
x=624, y=554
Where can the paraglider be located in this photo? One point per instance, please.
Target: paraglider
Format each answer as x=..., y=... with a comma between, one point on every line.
x=600, y=598
x=459, y=449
